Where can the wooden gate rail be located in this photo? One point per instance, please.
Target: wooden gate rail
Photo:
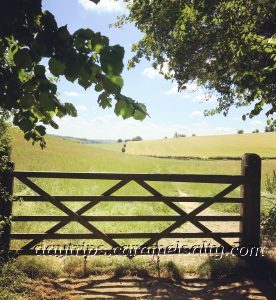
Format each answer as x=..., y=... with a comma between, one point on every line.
x=249, y=233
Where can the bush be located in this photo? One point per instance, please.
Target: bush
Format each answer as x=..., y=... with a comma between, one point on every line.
x=123, y=149
x=12, y=282
x=37, y=267
x=5, y=147
x=270, y=183
x=268, y=224
x=137, y=139
x=225, y=267
x=240, y=131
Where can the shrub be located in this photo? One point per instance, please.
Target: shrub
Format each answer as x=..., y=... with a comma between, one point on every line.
x=137, y=139
x=270, y=183
x=12, y=282
x=36, y=267
x=174, y=270
x=240, y=131
x=214, y=268
x=268, y=224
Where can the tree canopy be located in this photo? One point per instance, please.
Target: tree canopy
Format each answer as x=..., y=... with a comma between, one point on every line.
x=30, y=39
x=226, y=46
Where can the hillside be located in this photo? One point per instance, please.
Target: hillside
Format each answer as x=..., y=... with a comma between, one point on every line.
x=234, y=145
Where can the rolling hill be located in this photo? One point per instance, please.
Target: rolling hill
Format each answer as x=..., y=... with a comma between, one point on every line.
x=234, y=145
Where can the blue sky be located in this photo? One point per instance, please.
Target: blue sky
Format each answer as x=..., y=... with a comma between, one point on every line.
x=169, y=110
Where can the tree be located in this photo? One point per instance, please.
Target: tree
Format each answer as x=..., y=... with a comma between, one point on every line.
x=30, y=40
x=137, y=139
x=271, y=127
x=228, y=47
x=240, y=131
x=119, y=141
x=178, y=135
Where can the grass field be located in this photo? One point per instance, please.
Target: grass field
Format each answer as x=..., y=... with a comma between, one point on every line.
x=63, y=155
x=234, y=145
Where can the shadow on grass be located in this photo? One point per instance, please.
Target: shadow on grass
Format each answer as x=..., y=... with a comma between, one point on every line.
x=194, y=288
x=240, y=281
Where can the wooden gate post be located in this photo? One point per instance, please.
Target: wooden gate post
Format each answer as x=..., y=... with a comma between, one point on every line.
x=251, y=194
x=6, y=180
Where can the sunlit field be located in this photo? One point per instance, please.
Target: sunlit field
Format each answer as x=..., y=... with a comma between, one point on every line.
x=64, y=155
x=234, y=145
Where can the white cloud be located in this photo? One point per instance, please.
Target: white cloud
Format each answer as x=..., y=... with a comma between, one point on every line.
x=72, y=94
x=224, y=130
x=112, y=127
x=196, y=114
x=109, y=6
x=192, y=92
x=256, y=122
x=81, y=108
x=151, y=73
x=190, y=88
x=173, y=90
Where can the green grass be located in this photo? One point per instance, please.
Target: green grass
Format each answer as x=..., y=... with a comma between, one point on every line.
x=63, y=155
x=112, y=146
x=234, y=145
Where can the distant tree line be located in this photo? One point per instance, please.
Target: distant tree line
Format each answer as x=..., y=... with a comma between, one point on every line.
x=178, y=135
x=271, y=128
x=135, y=139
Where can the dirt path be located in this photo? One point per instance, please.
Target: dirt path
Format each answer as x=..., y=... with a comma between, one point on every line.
x=226, y=226
x=192, y=287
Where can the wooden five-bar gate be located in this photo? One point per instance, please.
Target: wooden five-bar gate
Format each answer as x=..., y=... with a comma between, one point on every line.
x=249, y=218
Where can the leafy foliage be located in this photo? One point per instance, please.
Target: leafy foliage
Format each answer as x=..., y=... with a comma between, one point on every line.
x=270, y=183
x=5, y=147
x=31, y=38
x=268, y=224
x=226, y=46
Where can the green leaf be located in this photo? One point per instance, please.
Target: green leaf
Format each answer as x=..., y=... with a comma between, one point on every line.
x=39, y=70
x=41, y=130
x=70, y=109
x=98, y=87
x=99, y=42
x=124, y=109
x=53, y=124
x=27, y=101
x=108, y=85
x=104, y=100
x=23, y=59
x=118, y=80
x=46, y=102
x=26, y=124
x=85, y=34
x=140, y=112
x=56, y=66
x=84, y=83
x=112, y=60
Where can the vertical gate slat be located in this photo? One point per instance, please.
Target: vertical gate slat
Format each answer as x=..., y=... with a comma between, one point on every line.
x=251, y=194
